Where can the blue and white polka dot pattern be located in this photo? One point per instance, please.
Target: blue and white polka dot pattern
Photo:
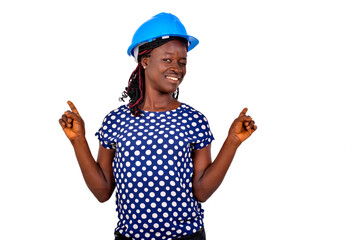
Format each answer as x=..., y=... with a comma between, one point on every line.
x=153, y=169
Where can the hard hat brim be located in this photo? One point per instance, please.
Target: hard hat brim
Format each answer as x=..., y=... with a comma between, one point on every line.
x=192, y=42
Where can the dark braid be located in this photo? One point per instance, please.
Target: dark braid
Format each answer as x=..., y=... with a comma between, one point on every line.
x=136, y=84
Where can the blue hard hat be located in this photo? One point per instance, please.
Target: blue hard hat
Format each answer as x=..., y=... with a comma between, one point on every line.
x=160, y=25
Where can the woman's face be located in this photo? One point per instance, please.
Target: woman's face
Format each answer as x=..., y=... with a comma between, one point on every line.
x=165, y=68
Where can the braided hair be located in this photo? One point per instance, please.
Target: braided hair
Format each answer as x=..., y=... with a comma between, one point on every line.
x=136, y=85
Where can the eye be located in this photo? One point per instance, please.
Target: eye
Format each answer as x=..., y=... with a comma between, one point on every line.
x=183, y=63
x=166, y=60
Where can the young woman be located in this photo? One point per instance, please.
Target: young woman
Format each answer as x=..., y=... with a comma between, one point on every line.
x=156, y=150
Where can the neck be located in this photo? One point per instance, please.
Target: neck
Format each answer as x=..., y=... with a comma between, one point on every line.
x=155, y=102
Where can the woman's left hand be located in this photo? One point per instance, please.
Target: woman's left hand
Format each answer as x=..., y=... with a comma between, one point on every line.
x=242, y=127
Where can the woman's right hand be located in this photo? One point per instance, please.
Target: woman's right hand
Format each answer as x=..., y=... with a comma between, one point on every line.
x=72, y=124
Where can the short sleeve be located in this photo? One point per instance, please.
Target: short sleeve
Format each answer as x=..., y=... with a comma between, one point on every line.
x=107, y=133
x=202, y=135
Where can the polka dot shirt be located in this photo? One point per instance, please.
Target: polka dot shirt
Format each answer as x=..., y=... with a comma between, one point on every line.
x=153, y=169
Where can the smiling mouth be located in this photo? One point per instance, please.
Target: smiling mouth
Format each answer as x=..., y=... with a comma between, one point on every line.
x=173, y=78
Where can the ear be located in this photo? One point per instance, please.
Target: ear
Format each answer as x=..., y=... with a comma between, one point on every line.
x=144, y=62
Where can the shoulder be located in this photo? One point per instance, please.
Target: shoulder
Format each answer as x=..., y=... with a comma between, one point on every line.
x=193, y=113
x=121, y=112
x=198, y=126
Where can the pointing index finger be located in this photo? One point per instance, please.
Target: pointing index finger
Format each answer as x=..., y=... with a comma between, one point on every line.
x=73, y=108
x=243, y=112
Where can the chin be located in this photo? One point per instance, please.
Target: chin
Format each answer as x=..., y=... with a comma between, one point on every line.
x=172, y=88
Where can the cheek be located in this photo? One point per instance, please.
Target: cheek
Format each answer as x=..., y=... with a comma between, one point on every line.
x=183, y=71
x=158, y=69
x=154, y=71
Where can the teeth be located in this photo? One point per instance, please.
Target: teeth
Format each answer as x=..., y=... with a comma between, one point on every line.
x=173, y=78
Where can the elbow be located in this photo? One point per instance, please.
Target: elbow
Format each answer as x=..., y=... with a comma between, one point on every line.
x=102, y=199
x=104, y=195
x=201, y=195
x=201, y=199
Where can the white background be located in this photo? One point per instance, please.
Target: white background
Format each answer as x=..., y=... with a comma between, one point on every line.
x=294, y=64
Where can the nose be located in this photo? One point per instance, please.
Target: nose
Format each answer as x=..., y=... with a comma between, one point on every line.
x=175, y=67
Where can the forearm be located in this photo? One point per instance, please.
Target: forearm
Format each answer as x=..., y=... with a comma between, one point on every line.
x=216, y=171
x=91, y=171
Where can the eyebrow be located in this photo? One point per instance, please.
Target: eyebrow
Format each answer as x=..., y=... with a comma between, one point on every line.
x=168, y=53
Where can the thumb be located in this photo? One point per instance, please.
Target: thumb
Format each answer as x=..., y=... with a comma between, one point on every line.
x=72, y=115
